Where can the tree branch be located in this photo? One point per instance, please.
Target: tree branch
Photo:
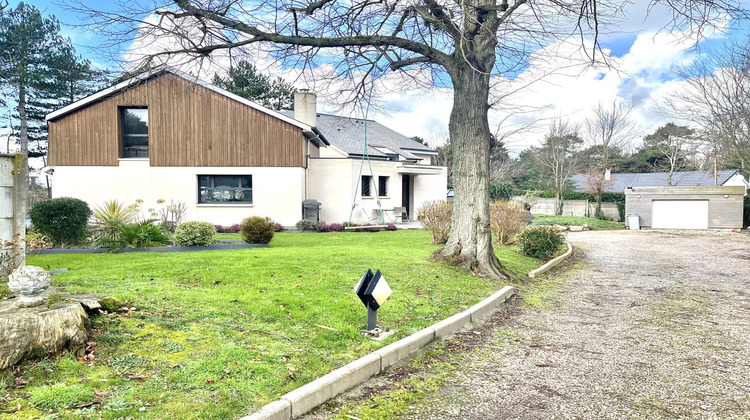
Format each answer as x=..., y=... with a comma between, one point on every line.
x=433, y=54
x=312, y=7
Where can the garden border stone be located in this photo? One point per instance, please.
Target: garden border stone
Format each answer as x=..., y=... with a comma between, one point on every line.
x=300, y=401
x=552, y=263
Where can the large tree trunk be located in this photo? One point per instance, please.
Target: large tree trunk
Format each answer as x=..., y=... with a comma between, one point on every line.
x=470, y=240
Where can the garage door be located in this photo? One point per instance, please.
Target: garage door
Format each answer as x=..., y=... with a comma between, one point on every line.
x=679, y=214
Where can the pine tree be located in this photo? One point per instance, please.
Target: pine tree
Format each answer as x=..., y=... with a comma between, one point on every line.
x=244, y=80
x=40, y=71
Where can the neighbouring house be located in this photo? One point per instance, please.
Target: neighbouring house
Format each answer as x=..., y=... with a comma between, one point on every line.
x=682, y=207
x=165, y=135
x=621, y=181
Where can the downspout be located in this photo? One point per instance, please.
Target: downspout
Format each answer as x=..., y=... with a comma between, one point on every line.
x=307, y=167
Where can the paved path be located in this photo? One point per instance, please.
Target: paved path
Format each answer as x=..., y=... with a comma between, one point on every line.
x=653, y=324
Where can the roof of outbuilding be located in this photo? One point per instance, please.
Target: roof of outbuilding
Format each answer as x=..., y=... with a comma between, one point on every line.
x=659, y=179
x=348, y=134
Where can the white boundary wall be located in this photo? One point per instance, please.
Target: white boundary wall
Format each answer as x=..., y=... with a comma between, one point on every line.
x=579, y=208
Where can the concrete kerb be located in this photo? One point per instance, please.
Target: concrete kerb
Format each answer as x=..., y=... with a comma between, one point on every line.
x=317, y=392
x=552, y=263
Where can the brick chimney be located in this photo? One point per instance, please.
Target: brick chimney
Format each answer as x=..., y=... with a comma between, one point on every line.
x=305, y=107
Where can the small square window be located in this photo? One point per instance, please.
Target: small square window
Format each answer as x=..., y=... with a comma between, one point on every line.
x=366, y=186
x=134, y=132
x=382, y=186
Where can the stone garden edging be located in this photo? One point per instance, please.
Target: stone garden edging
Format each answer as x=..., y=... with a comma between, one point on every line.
x=552, y=263
x=303, y=399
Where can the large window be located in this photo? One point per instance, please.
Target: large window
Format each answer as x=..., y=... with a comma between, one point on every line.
x=134, y=132
x=225, y=189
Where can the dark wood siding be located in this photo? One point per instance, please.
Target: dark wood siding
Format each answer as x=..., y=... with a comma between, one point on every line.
x=189, y=125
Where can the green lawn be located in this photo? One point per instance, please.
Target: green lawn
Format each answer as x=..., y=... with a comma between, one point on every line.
x=593, y=223
x=217, y=334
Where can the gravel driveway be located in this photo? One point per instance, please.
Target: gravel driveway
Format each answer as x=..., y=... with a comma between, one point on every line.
x=652, y=324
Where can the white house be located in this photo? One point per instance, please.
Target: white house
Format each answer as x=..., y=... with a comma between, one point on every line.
x=165, y=135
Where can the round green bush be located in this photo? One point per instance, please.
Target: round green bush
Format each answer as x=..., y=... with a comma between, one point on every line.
x=540, y=242
x=306, y=225
x=63, y=220
x=195, y=234
x=257, y=230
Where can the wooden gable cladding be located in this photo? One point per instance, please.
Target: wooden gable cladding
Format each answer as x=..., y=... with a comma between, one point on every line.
x=189, y=125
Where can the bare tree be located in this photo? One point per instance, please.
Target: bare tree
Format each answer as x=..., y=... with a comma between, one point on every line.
x=557, y=157
x=467, y=41
x=716, y=97
x=595, y=182
x=609, y=129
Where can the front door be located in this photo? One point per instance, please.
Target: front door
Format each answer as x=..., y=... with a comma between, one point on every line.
x=405, y=193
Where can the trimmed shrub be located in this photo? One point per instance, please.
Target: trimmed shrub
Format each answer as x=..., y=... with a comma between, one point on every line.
x=435, y=217
x=507, y=219
x=257, y=230
x=306, y=225
x=540, y=242
x=370, y=229
x=63, y=220
x=333, y=227
x=235, y=228
x=195, y=234
x=278, y=227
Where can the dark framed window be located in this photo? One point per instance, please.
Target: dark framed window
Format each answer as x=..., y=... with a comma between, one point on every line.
x=225, y=189
x=366, y=186
x=382, y=186
x=134, y=132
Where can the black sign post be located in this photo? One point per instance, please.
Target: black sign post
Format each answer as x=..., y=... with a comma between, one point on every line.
x=373, y=291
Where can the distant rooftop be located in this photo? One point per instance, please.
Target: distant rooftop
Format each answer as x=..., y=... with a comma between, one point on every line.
x=348, y=134
x=659, y=179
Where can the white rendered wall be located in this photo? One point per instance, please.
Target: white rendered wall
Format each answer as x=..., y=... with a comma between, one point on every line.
x=429, y=188
x=736, y=180
x=333, y=182
x=277, y=192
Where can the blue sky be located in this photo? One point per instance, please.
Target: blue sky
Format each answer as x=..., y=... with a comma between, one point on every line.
x=643, y=51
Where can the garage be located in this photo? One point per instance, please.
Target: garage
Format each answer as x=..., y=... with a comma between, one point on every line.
x=679, y=214
x=696, y=207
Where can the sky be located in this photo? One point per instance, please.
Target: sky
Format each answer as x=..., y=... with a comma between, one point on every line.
x=642, y=51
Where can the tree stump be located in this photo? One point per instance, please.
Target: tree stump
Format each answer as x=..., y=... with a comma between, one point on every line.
x=43, y=329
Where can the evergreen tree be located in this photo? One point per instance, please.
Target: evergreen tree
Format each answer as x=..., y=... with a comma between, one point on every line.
x=244, y=80
x=39, y=71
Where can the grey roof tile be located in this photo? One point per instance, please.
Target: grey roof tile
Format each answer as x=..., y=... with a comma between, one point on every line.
x=659, y=179
x=348, y=134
